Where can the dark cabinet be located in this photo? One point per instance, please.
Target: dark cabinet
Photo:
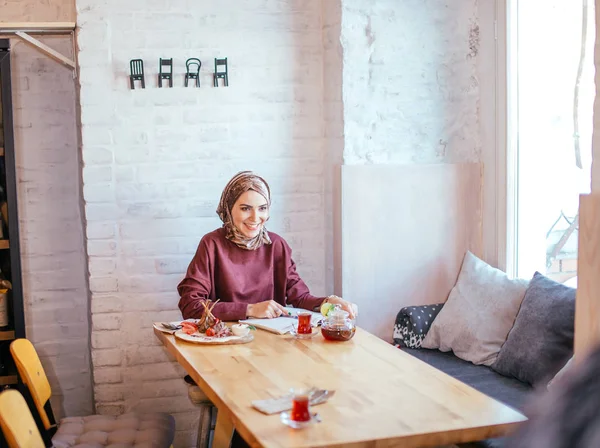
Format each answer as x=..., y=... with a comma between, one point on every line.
x=12, y=320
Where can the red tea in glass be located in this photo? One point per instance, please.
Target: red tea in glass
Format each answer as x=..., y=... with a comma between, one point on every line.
x=304, y=326
x=300, y=412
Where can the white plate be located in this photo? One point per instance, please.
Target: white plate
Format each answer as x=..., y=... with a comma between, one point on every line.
x=201, y=338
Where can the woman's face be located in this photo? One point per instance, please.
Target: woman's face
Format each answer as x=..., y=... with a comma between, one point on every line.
x=249, y=213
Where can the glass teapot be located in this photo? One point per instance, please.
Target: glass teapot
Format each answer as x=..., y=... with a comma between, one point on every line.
x=337, y=326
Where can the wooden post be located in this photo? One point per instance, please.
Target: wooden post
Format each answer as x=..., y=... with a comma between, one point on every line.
x=587, y=308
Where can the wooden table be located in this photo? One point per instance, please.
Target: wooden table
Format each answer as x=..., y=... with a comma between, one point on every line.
x=382, y=394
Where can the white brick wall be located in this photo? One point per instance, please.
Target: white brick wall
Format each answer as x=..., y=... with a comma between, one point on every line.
x=156, y=160
x=51, y=225
x=410, y=81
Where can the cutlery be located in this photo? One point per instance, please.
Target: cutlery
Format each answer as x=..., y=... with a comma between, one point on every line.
x=320, y=396
x=170, y=326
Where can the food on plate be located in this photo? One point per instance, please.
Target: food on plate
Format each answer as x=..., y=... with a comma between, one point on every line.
x=240, y=329
x=221, y=330
x=210, y=325
x=208, y=319
x=189, y=327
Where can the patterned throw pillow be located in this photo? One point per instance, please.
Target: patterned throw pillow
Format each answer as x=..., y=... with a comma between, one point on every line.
x=412, y=324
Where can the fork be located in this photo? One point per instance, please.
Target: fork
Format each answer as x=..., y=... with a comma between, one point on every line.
x=170, y=326
x=320, y=396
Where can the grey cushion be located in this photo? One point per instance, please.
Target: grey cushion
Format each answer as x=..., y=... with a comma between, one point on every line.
x=541, y=341
x=132, y=430
x=509, y=391
x=478, y=314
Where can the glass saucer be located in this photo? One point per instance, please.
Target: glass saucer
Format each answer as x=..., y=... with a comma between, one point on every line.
x=294, y=332
x=286, y=420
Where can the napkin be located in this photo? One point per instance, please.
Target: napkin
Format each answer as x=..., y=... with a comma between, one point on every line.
x=284, y=403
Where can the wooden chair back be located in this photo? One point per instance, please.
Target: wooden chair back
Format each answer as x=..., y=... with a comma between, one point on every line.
x=34, y=377
x=17, y=423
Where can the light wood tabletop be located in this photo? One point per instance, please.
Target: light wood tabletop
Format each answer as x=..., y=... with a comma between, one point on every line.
x=383, y=396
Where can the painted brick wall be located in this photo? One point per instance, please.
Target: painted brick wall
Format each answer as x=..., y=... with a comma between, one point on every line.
x=37, y=11
x=51, y=226
x=410, y=81
x=156, y=160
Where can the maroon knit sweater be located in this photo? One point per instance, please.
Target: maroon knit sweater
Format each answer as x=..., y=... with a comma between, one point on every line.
x=237, y=277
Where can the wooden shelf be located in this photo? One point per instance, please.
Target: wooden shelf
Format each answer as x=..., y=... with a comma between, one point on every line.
x=7, y=335
x=33, y=27
x=4, y=244
x=8, y=379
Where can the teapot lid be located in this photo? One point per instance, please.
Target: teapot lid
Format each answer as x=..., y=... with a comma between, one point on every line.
x=337, y=314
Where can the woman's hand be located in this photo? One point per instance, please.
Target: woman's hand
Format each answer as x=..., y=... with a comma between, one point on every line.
x=267, y=309
x=349, y=307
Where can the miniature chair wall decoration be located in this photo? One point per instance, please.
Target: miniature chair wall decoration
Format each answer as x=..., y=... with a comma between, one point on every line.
x=192, y=66
x=136, y=67
x=155, y=427
x=221, y=72
x=17, y=423
x=167, y=65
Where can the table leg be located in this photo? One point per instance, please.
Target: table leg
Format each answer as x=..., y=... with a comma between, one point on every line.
x=223, y=431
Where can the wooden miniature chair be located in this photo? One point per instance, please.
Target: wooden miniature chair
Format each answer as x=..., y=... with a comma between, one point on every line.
x=101, y=430
x=17, y=423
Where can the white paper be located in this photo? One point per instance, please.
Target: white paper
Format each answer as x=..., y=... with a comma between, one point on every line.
x=283, y=325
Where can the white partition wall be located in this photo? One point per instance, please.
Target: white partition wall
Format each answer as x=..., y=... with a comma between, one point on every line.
x=405, y=230
x=587, y=308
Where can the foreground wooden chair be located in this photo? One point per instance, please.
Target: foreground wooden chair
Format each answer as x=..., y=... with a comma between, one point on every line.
x=207, y=408
x=154, y=429
x=16, y=421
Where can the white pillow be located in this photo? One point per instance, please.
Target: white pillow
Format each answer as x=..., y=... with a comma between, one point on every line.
x=479, y=313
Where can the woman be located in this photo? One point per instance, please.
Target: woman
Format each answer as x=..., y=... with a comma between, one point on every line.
x=248, y=269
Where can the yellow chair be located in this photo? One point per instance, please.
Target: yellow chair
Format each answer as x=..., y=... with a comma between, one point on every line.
x=16, y=421
x=157, y=428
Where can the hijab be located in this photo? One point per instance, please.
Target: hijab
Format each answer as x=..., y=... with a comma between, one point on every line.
x=238, y=185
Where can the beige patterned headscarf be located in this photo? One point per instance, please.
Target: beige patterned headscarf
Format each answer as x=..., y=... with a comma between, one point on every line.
x=238, y=185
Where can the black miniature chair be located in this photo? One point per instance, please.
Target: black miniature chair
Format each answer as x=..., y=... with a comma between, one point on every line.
x=136, y=67
x=220, y=74
x=191, y=64
x=168, y=64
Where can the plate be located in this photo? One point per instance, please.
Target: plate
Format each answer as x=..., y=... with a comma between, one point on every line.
x=286, y=420
x=159, y=327
x=315, y=331
x=201, y=338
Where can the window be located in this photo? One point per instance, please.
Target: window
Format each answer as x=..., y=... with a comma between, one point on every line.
x=551, y=46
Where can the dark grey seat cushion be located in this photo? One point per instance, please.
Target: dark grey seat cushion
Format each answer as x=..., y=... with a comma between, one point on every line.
x=509, y=391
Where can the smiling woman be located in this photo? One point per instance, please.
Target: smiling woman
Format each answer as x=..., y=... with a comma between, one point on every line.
x=247, y=268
